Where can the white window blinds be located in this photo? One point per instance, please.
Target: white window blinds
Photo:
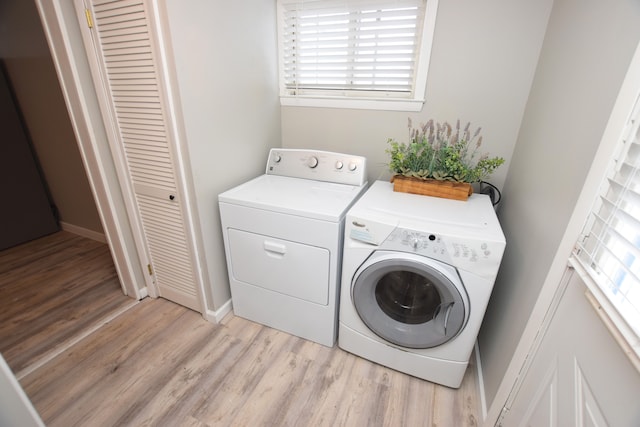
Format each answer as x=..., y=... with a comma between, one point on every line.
x=350, y=47
x=610, y=245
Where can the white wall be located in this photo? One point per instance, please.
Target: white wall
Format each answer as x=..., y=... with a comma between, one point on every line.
x=32, y=75
x=586, y=52
x=482, y=64
x=226, y=64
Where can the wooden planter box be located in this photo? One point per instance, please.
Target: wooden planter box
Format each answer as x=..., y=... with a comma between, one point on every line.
x=432, y=187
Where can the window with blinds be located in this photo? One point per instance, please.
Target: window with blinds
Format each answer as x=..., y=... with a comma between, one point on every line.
x=372, y=49
x=609, y=248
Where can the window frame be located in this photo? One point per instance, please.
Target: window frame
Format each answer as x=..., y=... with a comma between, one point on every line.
x=597, y=256
x=365, y=100
x=603, y=163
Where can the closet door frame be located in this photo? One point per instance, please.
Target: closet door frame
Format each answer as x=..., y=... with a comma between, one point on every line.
x=119, y=161
x=120, y=231
x=165, y=244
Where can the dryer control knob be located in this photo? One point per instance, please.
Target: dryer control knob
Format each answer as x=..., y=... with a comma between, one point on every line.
x=415, y=243
x=312, y=162
x=353, y=166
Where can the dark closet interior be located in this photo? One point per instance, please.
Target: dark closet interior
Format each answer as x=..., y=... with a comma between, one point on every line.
x=26, y=211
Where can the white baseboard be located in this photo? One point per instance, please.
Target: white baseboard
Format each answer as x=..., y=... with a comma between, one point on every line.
x=84, y=232
x=217, y=315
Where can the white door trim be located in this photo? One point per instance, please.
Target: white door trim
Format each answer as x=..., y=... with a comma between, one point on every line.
x=71, y=67
x=119, y=161
x=174, y=123
x=65, y=43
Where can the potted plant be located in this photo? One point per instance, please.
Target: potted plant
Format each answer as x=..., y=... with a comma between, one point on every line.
x=440, y=161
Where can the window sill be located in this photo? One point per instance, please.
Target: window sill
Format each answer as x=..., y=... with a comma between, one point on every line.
x=357, y=104
x=624, y=335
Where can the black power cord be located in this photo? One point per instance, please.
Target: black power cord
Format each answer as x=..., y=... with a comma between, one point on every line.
x=492, y=191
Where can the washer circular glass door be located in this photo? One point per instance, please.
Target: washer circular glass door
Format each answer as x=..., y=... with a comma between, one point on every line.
x=410, y=300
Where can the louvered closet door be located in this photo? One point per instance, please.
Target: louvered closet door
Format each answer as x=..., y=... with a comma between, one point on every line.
x=134, y=103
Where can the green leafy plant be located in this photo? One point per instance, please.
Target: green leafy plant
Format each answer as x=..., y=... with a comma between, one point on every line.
x=439, y=151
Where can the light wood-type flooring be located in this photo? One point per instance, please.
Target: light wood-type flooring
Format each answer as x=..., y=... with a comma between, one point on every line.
x=157, y=363
x=51, y=291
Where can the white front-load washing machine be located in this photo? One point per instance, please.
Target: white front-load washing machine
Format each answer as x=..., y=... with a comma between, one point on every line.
x=283, y=237
x=417, y=274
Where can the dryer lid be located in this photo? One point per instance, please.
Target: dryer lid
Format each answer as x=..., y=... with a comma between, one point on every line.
x=325, y=201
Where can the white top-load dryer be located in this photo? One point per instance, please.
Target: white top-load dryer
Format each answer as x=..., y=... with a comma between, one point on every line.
x=283, y=237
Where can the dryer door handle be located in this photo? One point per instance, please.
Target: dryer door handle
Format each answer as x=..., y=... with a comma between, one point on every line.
x=274, y=248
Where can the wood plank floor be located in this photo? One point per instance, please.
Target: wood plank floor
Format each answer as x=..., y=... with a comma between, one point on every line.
x=51, y=289
x=161, y=364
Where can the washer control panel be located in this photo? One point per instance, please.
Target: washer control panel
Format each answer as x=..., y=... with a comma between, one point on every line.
x=422, y=243
x=468, y=254
x=319, y=165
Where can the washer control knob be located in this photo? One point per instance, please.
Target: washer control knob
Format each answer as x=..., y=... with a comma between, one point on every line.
x=415, y=242
x=339, y=165
x=277, y=158
x=353, y=166
x=312, y=162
